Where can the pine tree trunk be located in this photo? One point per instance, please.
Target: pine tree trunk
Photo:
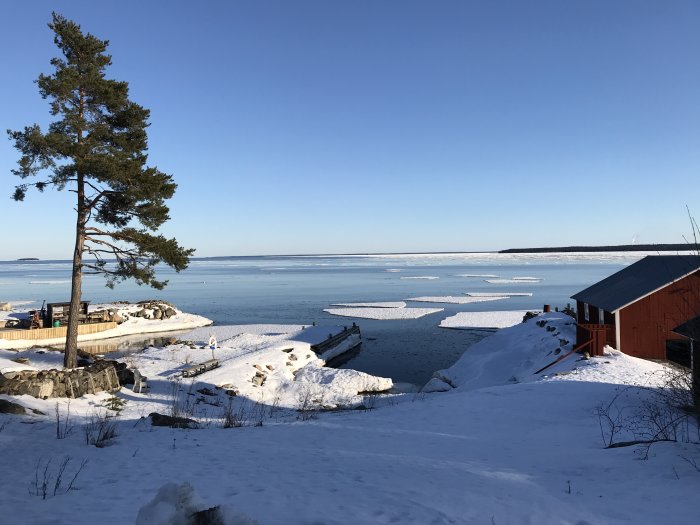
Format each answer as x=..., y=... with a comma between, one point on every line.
x=70, y=358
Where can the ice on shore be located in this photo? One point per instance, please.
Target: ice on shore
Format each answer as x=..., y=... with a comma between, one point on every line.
x=395, y=304
x=383, y=313
x=452, y=299
x=470, y=320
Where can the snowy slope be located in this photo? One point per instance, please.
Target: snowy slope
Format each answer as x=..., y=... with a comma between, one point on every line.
x=488, y=451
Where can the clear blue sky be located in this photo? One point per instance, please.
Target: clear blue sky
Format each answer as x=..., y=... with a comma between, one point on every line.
x=379, y=126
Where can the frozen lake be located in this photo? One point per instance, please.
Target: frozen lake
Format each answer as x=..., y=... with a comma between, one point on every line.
x=297, y=289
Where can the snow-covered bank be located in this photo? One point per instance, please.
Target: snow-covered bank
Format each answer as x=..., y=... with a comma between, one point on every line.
x=262, y=363
x=131, y=325
x=513, y=355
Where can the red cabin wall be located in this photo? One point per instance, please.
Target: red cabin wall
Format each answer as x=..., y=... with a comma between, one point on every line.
x=645, y=325
x=594, y=318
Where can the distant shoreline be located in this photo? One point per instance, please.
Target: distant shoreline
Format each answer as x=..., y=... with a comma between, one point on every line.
x=684, y=247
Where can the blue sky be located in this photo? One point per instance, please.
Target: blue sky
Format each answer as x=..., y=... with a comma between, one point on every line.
x=381, y=126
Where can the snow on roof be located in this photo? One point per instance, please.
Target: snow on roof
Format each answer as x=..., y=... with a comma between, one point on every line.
x=638, y=280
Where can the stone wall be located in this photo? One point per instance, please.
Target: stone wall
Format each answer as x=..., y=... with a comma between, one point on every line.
x=98, y=377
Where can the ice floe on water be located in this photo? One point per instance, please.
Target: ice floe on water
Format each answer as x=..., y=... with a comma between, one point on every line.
x=499, y=294
x=527, y=278
x=467, y=320
x=479, y=275
x=395, y=304
x=383, y=313
x=513, y=281
x=426, y=277
x=452, y=299
x=393, y=270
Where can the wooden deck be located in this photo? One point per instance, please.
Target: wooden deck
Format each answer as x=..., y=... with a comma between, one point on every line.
x=54, y=333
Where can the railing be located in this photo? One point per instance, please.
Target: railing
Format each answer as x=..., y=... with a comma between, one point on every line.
x=567, y=354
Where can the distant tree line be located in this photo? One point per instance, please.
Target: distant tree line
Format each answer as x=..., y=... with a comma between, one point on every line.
x=619, y=248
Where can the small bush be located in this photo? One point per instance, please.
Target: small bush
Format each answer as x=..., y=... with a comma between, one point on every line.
x=49, y=482
x=114, y=403
x=100, y=429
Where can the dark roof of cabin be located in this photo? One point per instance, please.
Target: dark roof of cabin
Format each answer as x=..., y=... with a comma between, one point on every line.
x=638, y=280
x=689, y=329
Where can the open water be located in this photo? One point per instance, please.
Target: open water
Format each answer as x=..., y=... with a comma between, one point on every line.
x=296, y=289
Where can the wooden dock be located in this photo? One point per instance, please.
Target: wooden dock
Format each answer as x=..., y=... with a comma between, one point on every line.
x=54, y=333
x=335, y=340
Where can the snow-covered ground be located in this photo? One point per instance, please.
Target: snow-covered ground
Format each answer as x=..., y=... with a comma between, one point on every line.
x=501, y=446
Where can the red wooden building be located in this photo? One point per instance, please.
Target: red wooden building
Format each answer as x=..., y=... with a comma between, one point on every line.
x=636, y=309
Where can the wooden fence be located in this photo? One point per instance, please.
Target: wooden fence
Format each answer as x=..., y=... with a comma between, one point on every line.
x=55, y=333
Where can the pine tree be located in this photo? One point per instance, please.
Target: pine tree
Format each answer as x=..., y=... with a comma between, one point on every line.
x=96, y=148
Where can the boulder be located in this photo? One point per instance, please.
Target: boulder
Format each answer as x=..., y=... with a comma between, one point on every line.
x=8, y=407
x=161, y=420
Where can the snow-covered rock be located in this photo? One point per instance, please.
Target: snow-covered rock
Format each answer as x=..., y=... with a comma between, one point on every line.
x=178, y=504
x=342, y=381
x=436, y=385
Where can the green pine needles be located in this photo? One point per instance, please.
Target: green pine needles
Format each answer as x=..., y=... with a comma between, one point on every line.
x=97, y=148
